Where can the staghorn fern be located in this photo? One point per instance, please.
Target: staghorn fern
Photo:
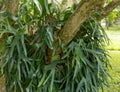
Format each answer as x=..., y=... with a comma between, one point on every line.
x=81, y=67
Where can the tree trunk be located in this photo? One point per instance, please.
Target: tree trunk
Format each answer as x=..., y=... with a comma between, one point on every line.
x=82, y=13
x=2, y=82
x=10, y=6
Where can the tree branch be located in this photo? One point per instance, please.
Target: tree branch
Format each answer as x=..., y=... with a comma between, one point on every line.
x=10, y=6
x=83, y=11
x=109, y=8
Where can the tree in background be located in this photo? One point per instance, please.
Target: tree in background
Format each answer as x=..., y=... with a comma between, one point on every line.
x=111, y=18
x=47, y=49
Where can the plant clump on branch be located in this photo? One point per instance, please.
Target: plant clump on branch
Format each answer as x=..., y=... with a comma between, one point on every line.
x=51, y=50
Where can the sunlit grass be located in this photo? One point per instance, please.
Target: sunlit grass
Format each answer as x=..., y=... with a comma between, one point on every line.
x=114, y=51
x=114, y=43
x=114, y=37
x=114, y=72
x=114, y=27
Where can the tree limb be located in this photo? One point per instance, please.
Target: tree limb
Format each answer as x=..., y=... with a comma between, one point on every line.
x=83, y=11
x=10, y=6
x=109, y=8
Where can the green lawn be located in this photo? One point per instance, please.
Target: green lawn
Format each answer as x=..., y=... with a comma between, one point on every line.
x=114, y=72
x=114, y=27
x=114, y=51
x=114, y=37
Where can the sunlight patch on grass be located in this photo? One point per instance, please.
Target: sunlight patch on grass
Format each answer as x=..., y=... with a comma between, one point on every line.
x=114, y=37
x=114, y=72
x=115, y=28
x=114, y=44
x=114, y=51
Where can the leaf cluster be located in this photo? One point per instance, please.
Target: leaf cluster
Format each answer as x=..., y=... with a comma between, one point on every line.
x=27, y=61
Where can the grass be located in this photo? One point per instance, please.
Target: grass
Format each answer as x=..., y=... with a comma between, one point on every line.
x=114, y=72
x=114, y=40
x=114, y=51
x=114, y=36
x=115, y=27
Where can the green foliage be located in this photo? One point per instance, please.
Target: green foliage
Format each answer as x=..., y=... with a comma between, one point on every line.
x=0, y=4
x=112, y=16
x=81, y=67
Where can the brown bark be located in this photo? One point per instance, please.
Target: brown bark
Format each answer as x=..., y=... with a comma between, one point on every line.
x=2, y=81
x=81, y=14
x=2, y=84
x=10, y=6
x=83, y=11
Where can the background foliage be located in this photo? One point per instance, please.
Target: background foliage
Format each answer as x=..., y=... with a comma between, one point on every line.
x=29, y=37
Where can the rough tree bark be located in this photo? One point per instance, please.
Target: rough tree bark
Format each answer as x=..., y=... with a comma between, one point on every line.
x=10, y=6
x=83, y=11
x=81, y=14
x=71, y=27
